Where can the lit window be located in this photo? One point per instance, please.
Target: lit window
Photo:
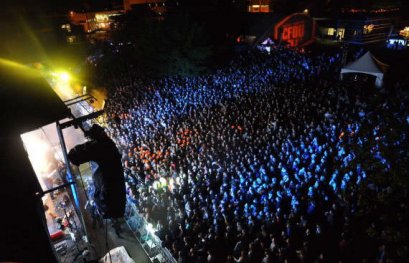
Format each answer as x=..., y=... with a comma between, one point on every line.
x=368, y=28
x=259, y=8
x=331, y=31
x=404, y=32
x=255, y=8
x=101, y=18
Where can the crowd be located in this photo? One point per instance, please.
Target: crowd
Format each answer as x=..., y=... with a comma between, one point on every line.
x=257, y=162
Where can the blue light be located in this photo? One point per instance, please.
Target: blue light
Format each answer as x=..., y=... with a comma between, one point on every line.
x=74, y=193
x=73, y=189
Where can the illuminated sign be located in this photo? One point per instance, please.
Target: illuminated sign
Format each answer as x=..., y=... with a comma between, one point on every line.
x=296, y=29
x=293, y=33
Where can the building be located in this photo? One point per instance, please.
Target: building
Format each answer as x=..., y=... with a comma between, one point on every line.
x=258, y=6
x=359, y=27
x=158, y=6
x=93, y=21
x=97, y=23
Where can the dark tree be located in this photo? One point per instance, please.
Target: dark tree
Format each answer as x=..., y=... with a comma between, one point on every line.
x=185, y=46
x=175, y=44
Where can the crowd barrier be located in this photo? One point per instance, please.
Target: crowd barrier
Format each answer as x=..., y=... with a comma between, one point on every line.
x=145, y=235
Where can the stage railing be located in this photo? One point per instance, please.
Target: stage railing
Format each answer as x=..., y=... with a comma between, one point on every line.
x=145, y=235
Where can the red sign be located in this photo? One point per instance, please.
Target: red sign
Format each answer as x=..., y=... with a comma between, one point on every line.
x=293, y=33
x=296, y=29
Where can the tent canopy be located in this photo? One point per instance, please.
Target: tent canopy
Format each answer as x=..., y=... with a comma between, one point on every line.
x=367, y=64
x=27, y=101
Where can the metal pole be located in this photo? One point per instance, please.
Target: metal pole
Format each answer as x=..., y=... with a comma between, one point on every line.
x=70, y=179
x=41, y=194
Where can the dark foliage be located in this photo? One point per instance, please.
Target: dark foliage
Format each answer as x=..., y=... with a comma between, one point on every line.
x=171, y=45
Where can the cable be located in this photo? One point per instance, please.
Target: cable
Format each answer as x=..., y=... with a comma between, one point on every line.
x=106, y=240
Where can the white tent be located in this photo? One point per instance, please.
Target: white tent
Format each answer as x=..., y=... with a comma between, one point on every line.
x=367, y=64
x=117, y=255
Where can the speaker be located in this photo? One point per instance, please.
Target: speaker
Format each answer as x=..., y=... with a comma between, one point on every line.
x=108, y=177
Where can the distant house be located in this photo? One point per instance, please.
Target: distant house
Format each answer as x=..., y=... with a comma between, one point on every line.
x=94, y=21
x=97, y=22
x=158, y=6
x=359, y=27
x=258, y=6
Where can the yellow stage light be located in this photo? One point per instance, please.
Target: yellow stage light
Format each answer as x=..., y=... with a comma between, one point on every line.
x=64, y=76
x=62, y=84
